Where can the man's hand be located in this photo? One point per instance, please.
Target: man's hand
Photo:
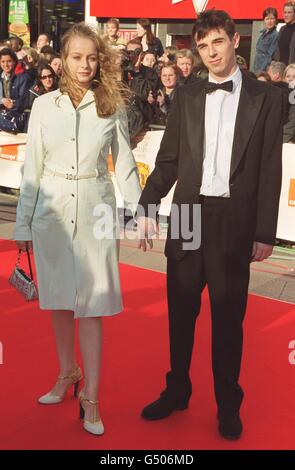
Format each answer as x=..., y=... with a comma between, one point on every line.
x=261, y=251
x=24, y=246
x=146, y=229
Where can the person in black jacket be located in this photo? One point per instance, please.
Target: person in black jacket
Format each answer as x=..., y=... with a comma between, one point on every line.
x=223, y=148
x=285, y=51
x=46, y=81
x=148, y=40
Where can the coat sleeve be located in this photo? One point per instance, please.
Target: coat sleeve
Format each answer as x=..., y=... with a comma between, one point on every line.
x=23, y=86
x=292, y=50
x=124, y=163
x=33, y=168
x=165, y=172
x=270, y=179
x=272, y=47
x=289, y=127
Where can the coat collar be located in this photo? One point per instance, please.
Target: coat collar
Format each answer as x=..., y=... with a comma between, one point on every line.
x=251, y=100
x=65, y=101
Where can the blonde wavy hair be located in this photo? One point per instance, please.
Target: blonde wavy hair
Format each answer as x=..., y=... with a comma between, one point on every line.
x=110, y=94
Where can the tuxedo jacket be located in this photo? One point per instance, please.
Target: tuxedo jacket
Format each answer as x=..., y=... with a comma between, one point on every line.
x=256, y=160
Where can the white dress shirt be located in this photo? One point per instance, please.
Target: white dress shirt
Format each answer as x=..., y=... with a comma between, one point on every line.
x=220, y=118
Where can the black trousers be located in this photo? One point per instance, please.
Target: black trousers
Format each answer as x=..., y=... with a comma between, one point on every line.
x=222, y=262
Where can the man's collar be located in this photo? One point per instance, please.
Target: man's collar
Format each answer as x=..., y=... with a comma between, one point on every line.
x=236, y=78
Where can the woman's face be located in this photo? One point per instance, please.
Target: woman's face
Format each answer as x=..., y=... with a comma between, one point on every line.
x=47, y=79
x=168, y=77
x=270, y=21
x=111, y=30
x=289, y=15
x=140, y=30
x=56, y=65
x=290, y=75
x=82, y=60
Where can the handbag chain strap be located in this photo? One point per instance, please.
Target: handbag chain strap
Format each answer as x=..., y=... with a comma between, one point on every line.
x=29, y=261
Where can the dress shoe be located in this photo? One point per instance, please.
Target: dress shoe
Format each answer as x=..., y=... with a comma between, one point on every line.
x=95, y=425
x=74, y=379
x=230, y=426
x=163, y=407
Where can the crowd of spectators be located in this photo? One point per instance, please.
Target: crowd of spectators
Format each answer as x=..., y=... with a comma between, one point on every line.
x=151, y=73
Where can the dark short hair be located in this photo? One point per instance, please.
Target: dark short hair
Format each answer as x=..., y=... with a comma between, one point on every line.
x=270, y=11
x=8, y=51
x=213, y=19
x=47, y=50
x=16, y=38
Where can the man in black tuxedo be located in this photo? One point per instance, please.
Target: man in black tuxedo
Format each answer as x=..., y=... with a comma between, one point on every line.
x=223, y=146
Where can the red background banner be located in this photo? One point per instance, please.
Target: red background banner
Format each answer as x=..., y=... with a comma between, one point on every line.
x=238, y=9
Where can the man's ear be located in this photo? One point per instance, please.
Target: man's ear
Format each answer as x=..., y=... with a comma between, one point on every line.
x=236, y=40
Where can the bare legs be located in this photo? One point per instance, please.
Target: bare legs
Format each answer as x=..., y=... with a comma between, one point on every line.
x=90, y=336
x=64, y=330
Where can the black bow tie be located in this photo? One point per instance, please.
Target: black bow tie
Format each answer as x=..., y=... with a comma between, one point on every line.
x=226, y=86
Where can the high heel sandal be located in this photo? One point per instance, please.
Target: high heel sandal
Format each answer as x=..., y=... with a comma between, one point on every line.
x=52, y=399
x=96, y=426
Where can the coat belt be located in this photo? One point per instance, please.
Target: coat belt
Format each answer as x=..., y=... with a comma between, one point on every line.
x=69, y=176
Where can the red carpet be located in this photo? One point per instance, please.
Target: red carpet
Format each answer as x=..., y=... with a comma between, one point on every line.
x=134, y=363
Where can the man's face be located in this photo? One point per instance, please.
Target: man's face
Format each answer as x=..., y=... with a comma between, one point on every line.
x=185, y=65
x=7, y=64
x=289, y=15
x=217, y=51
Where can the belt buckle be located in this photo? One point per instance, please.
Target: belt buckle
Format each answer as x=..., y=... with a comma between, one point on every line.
x=69, y=176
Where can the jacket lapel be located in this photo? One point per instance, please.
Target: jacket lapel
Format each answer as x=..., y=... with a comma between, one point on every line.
x=195, y=115
x=251, y=101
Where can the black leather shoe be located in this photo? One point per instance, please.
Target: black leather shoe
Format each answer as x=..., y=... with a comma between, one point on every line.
x=163, y=407
x=230, y=426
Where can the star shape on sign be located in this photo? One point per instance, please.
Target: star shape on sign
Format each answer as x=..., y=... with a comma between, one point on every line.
x=199, y=5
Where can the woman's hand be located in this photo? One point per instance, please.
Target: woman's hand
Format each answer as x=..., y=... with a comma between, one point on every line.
x=24, y=245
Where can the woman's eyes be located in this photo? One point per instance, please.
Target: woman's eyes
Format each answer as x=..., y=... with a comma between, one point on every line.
x=93, y=59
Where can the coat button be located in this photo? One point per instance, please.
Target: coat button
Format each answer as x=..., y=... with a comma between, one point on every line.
x=73, y=167
x=73, y=195
x=73, y=139
x=72, y=221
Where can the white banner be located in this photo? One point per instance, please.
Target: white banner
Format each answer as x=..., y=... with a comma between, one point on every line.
x=286, y=222
x=145, y=155
x=12, y=156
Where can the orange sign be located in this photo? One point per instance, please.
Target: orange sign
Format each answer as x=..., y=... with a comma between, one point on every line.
x=291, y=198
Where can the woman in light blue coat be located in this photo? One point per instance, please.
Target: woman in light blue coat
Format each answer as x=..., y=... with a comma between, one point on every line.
x=268, y=40
x=67, y=208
